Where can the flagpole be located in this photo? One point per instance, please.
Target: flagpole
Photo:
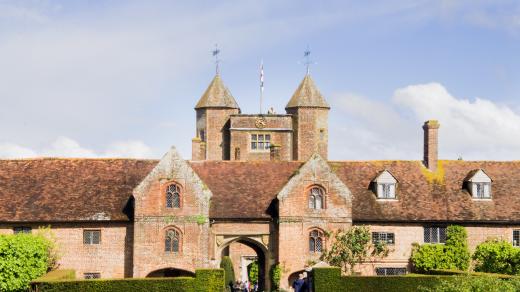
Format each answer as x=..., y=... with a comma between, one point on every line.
x=261, y=84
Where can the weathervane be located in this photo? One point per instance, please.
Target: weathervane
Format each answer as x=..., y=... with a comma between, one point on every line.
x=215, y=53
x=308, y=62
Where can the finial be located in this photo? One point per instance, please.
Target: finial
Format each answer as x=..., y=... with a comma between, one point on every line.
x=215, y=53
x=308, y=62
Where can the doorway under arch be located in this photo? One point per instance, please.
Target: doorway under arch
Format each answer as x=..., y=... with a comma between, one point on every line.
x=243, y=261
x=169, y=273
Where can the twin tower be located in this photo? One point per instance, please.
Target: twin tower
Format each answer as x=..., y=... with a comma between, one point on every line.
x=224, y=133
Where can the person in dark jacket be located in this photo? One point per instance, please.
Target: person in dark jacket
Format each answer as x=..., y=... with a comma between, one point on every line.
x=298, y=283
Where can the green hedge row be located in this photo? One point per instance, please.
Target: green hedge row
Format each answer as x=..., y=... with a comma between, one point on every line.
x=330, y=279
x=464, y=273
x=209, y=280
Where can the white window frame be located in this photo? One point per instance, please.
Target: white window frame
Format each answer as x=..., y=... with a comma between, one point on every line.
x=255, y=140
x=383, y=236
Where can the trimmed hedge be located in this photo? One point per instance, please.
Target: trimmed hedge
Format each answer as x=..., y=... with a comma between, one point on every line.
x=464, y=273
x=209, y=280
x=330, y=279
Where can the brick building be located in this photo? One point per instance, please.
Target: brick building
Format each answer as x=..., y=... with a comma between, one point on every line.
x=258, y=187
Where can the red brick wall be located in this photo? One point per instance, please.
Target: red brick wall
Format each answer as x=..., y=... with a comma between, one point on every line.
x=217, y=133
x=112, y=257
x=310, y=132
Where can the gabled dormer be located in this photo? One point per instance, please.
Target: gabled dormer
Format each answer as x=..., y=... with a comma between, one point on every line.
x=384, y=185
x=478, y=184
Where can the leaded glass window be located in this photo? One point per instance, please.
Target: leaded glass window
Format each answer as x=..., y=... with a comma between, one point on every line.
x=172, y=241
x=92, y=275
x=390, y=271
x=173, y=196
x=516, y=238
x=316, y=198
x=91, y=236
x=22, y=229
x=482, y=190
x=383, y=237
x=435, y=234
x=260, y=142
x=315, y=241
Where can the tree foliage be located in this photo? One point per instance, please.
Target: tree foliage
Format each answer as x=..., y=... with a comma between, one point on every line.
x=252, y=272
x=454, y=254
x=229, y=272
x=23, y=258
x=352, y=247
x=497, y=256
x=276, y=275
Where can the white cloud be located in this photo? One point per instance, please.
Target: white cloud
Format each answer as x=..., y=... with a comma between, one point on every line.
x=66, y=147
x=10, y=150
x=476, y=129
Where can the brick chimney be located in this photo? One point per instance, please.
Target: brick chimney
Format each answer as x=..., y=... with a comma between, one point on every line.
x=274, y=152
x=431, y=144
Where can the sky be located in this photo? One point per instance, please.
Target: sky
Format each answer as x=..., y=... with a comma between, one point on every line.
x=121, y=78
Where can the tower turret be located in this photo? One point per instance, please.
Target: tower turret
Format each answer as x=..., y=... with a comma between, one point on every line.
x=310, y=120
x=213, y=110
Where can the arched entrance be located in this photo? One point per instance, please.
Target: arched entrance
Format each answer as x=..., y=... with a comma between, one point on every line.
x=170, y=272
x=243, y=259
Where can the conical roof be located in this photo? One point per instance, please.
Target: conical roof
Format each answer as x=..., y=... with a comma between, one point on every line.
x=307, y=95
x=217, y=95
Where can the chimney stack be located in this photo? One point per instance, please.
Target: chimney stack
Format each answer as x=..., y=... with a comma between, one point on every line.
x=431, y=144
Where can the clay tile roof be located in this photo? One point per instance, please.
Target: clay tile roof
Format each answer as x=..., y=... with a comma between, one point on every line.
x=69, y=189
x=244, y=189
x=217, y=95
x=423, y=196
x=307, y=95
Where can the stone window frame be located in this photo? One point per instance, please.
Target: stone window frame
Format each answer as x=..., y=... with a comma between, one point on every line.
x=313, y=239
x=165, y=192
x=383, y=236
x=266, y=144
x=91, y=241
x=516, y=241
x=180, y=236
x=22, y=230
x=309, y=196
x=91, y=275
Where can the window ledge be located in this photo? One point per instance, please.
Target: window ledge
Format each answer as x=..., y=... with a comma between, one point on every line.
x=386, y=200
x=482, y=199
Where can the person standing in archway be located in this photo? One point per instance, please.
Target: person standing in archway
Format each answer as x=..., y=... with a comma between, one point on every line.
x=298, y=284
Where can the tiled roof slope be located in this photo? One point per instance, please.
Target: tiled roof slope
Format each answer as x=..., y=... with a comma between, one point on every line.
x=93, y=189
x=217, y=95
x=307, y=95
x=68, y=189
x=426, y=196
x=244, y=189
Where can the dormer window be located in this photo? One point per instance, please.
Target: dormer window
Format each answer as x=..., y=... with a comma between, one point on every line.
x=385, y=185
x=478, y=184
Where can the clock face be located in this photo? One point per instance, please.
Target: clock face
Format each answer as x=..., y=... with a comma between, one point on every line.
x=260, y=122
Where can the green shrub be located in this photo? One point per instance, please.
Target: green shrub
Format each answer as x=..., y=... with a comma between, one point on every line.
x=330, y=279
x=276, y=275
x=466, y=273
x=474, y=284
x=454, y=254
x=23, y=257
x=206, y=280
x=252, y=272
x=229, y=272
x=497, y=256
x=57, y=275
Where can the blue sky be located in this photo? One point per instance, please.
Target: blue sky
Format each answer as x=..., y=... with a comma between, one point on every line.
x=120, y=78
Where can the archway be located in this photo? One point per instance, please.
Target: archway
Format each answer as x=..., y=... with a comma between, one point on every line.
x=170, y=272
x=244, y=252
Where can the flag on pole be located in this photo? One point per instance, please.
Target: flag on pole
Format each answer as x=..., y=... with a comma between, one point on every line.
x=262, y=76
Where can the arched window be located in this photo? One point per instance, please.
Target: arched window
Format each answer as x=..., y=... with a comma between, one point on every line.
x=172, y=241
x=315, y=241
x=173, y=196
x=316, y=198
